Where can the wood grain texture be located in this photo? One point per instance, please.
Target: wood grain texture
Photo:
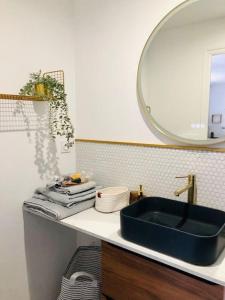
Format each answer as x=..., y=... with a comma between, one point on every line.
x=103, y=297
x=128, y=276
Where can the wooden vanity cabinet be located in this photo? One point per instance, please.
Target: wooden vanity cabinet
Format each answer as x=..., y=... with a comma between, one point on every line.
x=129, y=276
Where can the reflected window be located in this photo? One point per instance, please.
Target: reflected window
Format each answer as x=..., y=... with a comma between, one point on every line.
x=216, y=121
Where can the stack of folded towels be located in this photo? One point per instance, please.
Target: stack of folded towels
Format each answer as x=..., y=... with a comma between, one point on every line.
x=57, y=202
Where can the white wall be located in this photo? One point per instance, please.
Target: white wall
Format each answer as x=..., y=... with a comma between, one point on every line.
x=110, y=36
x=39, y=35
x=34, y=35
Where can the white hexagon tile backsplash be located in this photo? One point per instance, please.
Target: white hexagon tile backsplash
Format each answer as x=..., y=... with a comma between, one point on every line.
x=155, y=168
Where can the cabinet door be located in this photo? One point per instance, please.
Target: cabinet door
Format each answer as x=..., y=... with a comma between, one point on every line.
x=128, y=276
x=103, y=297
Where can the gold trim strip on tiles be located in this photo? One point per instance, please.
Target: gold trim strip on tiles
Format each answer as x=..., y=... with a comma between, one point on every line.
x=176, y=147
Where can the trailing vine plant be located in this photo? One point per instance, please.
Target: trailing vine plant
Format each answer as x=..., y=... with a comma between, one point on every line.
x=52, y=91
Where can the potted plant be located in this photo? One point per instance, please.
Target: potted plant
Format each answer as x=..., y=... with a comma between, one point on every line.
x=49, y=89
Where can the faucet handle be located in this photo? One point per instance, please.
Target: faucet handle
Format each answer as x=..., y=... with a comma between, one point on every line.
x=191, y=177
x=187, y=176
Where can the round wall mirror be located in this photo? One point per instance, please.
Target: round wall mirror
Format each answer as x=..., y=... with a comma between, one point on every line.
x=181, y=75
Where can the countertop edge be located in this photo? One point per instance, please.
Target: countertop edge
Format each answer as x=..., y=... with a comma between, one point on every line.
x=155, y=258
x=131, y=247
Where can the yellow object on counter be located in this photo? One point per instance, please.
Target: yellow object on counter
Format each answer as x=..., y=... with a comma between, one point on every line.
x=75, y=176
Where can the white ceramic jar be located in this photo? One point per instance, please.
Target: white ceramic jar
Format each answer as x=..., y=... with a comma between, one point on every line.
x=112, y=199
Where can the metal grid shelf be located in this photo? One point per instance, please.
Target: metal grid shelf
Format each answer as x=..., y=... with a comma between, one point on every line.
x=58, y=75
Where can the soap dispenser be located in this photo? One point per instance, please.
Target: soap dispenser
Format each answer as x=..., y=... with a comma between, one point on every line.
x=136, y=195
x=140, y=192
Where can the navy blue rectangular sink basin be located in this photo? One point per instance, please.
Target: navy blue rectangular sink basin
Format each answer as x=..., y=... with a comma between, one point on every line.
x=193, y=233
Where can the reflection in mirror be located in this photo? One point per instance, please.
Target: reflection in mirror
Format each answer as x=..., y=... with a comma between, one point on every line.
x=181, y=79
x=216, y=119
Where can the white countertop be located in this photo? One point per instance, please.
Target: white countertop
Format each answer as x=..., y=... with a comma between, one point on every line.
x=107, y=228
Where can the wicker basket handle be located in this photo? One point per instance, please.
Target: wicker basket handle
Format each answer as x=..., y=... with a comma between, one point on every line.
x=76, y=275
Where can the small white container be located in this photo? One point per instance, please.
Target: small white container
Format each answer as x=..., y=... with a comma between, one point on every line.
x=112, y=199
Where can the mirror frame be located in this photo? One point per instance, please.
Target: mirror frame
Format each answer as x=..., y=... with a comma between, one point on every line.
x=148, y=118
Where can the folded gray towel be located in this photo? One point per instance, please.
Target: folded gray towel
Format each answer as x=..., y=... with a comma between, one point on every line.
x=64, y=199
x=54, y=211
x=71, y=190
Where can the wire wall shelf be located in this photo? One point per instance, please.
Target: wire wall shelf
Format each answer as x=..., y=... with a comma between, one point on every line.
x=22, y=114
x=58, y=75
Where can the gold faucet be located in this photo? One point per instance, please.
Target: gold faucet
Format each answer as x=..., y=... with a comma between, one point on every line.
x=190, y=187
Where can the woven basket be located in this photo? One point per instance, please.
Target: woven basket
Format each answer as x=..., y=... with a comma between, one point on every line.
x=82, y=278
